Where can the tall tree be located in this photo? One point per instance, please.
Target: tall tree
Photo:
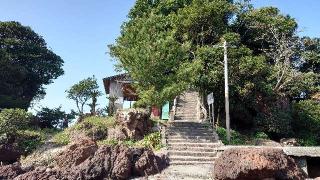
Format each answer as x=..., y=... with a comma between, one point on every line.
x=168, y=46
x=82, y=92
x=26, y=65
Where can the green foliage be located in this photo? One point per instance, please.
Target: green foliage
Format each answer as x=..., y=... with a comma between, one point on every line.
x=277, y=123
x=236, y=137
x=54, y=118
x=152, y=141
x=309, y=140
x=95, y=127
x=111, y=142
x=63, y=137
x=159, y=48
x=170, y=46
x=307, y=121
x=26, y=65
x=82, y=91
x=261, y=135
x=13, y=120
x=30, y=139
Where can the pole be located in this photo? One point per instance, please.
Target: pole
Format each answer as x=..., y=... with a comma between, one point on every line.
x=226, y=89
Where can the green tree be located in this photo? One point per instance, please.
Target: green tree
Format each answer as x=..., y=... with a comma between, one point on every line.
x=26, y=65
x=11, y=121
x=54, y=118
x=170, y=46
x=83, y=91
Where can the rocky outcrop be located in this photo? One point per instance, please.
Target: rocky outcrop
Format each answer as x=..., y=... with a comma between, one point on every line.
x=9, y=153
x=84, y=160
x=76, y=153
x=266, y=142
x=289, y=142
x=134, y=123
x=116, y=133
x=255, y=163
x=10, y=171
x=42, y=173
x=149, y=164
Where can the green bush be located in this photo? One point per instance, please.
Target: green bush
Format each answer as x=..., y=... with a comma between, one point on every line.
x=13, y=120
x=96, y=127
x=277, y=123
x=306, y=122
x=236, y=137
x=63, y=137
x=261, y=135
x=30, y=139
x=152, y=140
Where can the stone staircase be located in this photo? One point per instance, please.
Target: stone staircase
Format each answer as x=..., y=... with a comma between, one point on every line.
x=187, y=106
x=191, y=143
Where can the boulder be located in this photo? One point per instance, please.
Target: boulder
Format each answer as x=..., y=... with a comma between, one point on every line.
x=76, y=153
x=84, y=160
x=107, y=162
x=266, y=142
x=9, y=153
x=256, y=163
x=42, y=173
x=149, y=164
x=289, y=142
x=116, y=133
x=134, y=123
x=10, y=171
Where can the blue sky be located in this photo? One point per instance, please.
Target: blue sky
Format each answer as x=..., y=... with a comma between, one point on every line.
x=80, y=30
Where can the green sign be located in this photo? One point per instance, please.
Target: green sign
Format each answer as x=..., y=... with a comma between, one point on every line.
x=165, y=111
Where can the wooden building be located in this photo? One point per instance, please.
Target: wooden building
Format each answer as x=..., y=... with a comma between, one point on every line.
x=122, y=95
x=119, y=90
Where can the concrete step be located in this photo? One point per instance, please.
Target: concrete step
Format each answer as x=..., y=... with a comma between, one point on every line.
x=185, y=113
x=193, y=144
x=190, y=134
x=197, y=149
x=191, y=158
x=190, y=140
x=189, y=130
x=189, y=137
x=190, y=127
x=190, y=162
x=185, y=117
x=192, y=153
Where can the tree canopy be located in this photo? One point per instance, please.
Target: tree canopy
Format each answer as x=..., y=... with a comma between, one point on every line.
x=82, y=92
x=171, y=45
x=26, y=65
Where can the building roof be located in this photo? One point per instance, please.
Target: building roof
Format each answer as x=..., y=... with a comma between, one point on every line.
x=128, y=91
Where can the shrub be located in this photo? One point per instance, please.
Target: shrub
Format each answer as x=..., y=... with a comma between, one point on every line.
x=261, y=135
x=13, y=120
x=30, y=139
x=62, y=138
x=236, y=137
x=152, y=140
x=277, y=124
x=307, y=121
x=96, y=127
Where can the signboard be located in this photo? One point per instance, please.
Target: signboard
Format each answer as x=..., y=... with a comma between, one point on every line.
x=210, y=99
x=165, y=111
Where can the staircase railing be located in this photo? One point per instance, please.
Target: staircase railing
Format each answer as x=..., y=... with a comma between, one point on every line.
x=173, y=109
